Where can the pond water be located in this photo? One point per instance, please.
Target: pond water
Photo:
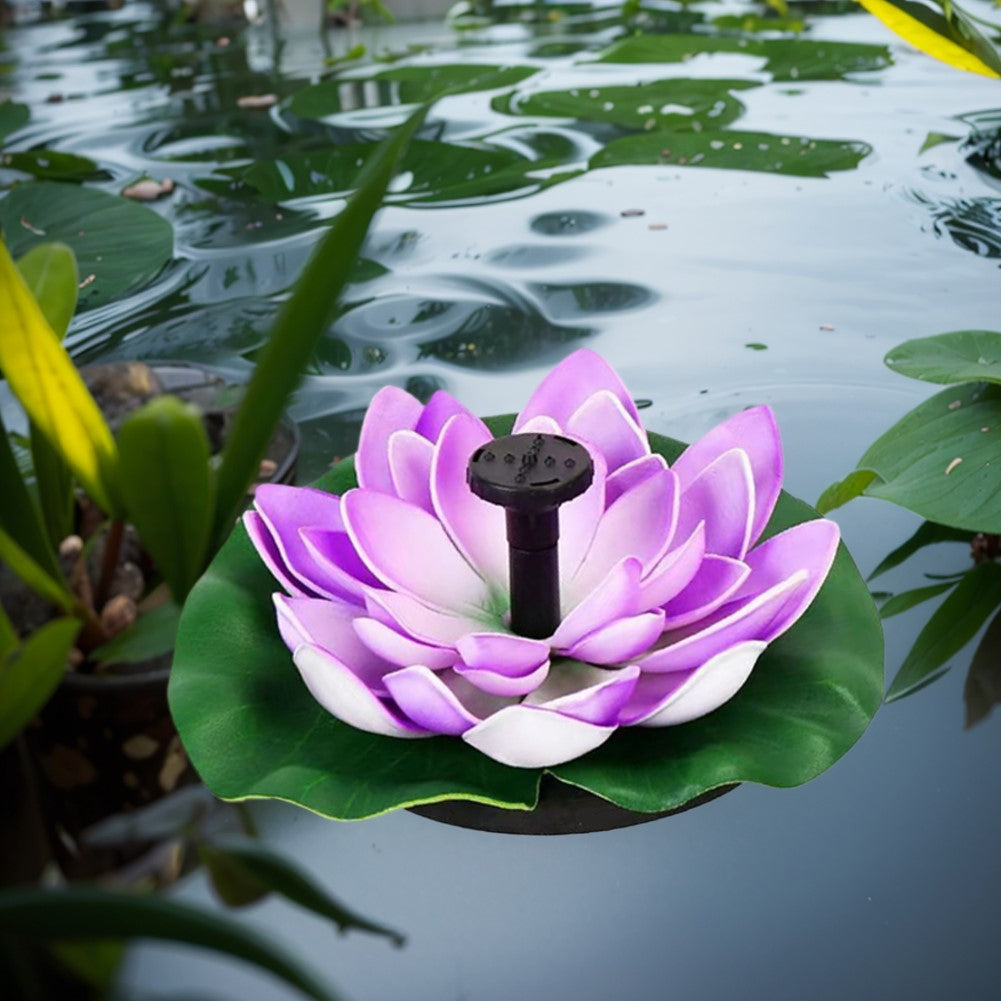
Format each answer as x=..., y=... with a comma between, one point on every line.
x=778, y=227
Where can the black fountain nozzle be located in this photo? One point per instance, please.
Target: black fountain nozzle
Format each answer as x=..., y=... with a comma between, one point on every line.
x=530, y=476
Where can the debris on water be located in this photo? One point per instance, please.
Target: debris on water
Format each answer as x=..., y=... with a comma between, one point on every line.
x=955, y=405
x=257, y=101
x=657, y=225
x=756, y=346
x=952, y=465
x=827, y=326
x=148, y=189
x=632, y=213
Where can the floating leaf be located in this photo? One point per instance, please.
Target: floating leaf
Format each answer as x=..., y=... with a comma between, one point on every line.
x=785, y=59
x=907, y=600
x=954, y=623
x=928, y=534
x=242, y=872
x=960, y=356
x=46, y=383
x=982, y=691
x=30, y=672
x=948, y=35
x=732, y=150
x=124, y=245
x=12, y=117
x=167, y=487
x=934, y=139
x=809, y=698
x=49, y=165
x=85, y=912
x=151, y=635
x=852, y=486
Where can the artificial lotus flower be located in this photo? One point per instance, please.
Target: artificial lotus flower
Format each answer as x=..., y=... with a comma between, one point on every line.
x=396, y=593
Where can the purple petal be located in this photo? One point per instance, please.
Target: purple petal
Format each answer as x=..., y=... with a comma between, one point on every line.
x=264, y=542
x=631, y=475
x=337, y=563
x=285, y=510
x=621, y=640
x=668, y=699
x=616, y=596
x=327, y=625
x=722, y=495
x=476, y=528
x=756, y=432
x=400, y=650
x=640, y=524
x=428, y=701
x=603, y=423
x=674, y=571
x=540, y=424
x=436, y=415
x=503, y=664
x=565, y=388
x=391, y=410
x=717, y=581
x=408, y=551
x=589, y=694
x=410, y=467
x=528, y=737
x=579, y=521
x=734, y=623
x=427, y=625
x=348, y=698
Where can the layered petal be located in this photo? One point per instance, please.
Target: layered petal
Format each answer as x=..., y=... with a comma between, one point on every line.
x=400, y=649
x=602, y=422
x=392, y=409
x=437, y=412
x=502, y=663
x=442, y=703
x=410, y=457
x=618, y=595
x=722, y=495
x=620, y=640
x=715, y=582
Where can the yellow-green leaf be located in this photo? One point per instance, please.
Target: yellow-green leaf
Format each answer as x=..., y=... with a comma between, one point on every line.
x=35, y=576
x=49, y=270
x=44, y=379
x=951, y=37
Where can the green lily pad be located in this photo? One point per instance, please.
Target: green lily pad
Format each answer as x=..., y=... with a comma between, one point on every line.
x=12, y=117
x=960, y=356
x=253, y=731
x=121, y=244
x=731, y=150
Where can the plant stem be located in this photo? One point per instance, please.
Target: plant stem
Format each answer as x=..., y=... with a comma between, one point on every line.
x=109, y=563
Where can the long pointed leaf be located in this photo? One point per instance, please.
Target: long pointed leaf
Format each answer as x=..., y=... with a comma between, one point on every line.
x=982, y=691
x=35, y=576
x=166, y=485
x=928, y=534
x=82, y=912
x=30, y=672
x=302, y=320
x=48, y=386
x=8, y=634
x=262, y=871
x=953, y=625
x=907, y=600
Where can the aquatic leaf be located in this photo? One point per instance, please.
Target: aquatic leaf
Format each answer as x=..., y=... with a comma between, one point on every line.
x=167, y=487
x=303, y=319
x=732, y=150
x=13, y=116
x=244, y=871
x=928, y=534
x=808, y=700
x=88, y=912
x=785, y=59
x=960, y=356
x=23, y=566
x=675, y=102
x=982, y=690
x=910, y=599
x=44, y=379
x=934, y=139
x=841, y=492
x=942, y=459
x=8, y=634
x=30, y=672
x=50, y=165
x=954, y=623
x=152, y=634
x=946, y=34
x=122, y=244
x=402, y=85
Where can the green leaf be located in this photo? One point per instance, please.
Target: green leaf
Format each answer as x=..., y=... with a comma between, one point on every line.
x=46, y=383
x=909, y=599
x=30, y=673
x=120, y=245
x=253, y=731
x=84, y=912
x=54, y=481
x=934, y=139
x=246, y=866
x=167, y=488
x=12, y=117
x=961, y=356
x=982, y=690
x=954, y=623
x=20, y=518
x=928, y=534
x=152, y=634
x=942, y=459
x=852, y=486
x=50, y=165
x=948, y=35
x=303, y=319
x=731, y=150
x=50, y=587
x=8, y=634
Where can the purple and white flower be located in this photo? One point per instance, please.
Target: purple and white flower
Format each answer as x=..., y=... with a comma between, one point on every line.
x=396, y=593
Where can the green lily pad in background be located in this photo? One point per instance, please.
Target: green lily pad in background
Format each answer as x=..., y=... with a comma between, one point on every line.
x=122, y=244
x=960, y=356
x=13, y=116
x=253, y=731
